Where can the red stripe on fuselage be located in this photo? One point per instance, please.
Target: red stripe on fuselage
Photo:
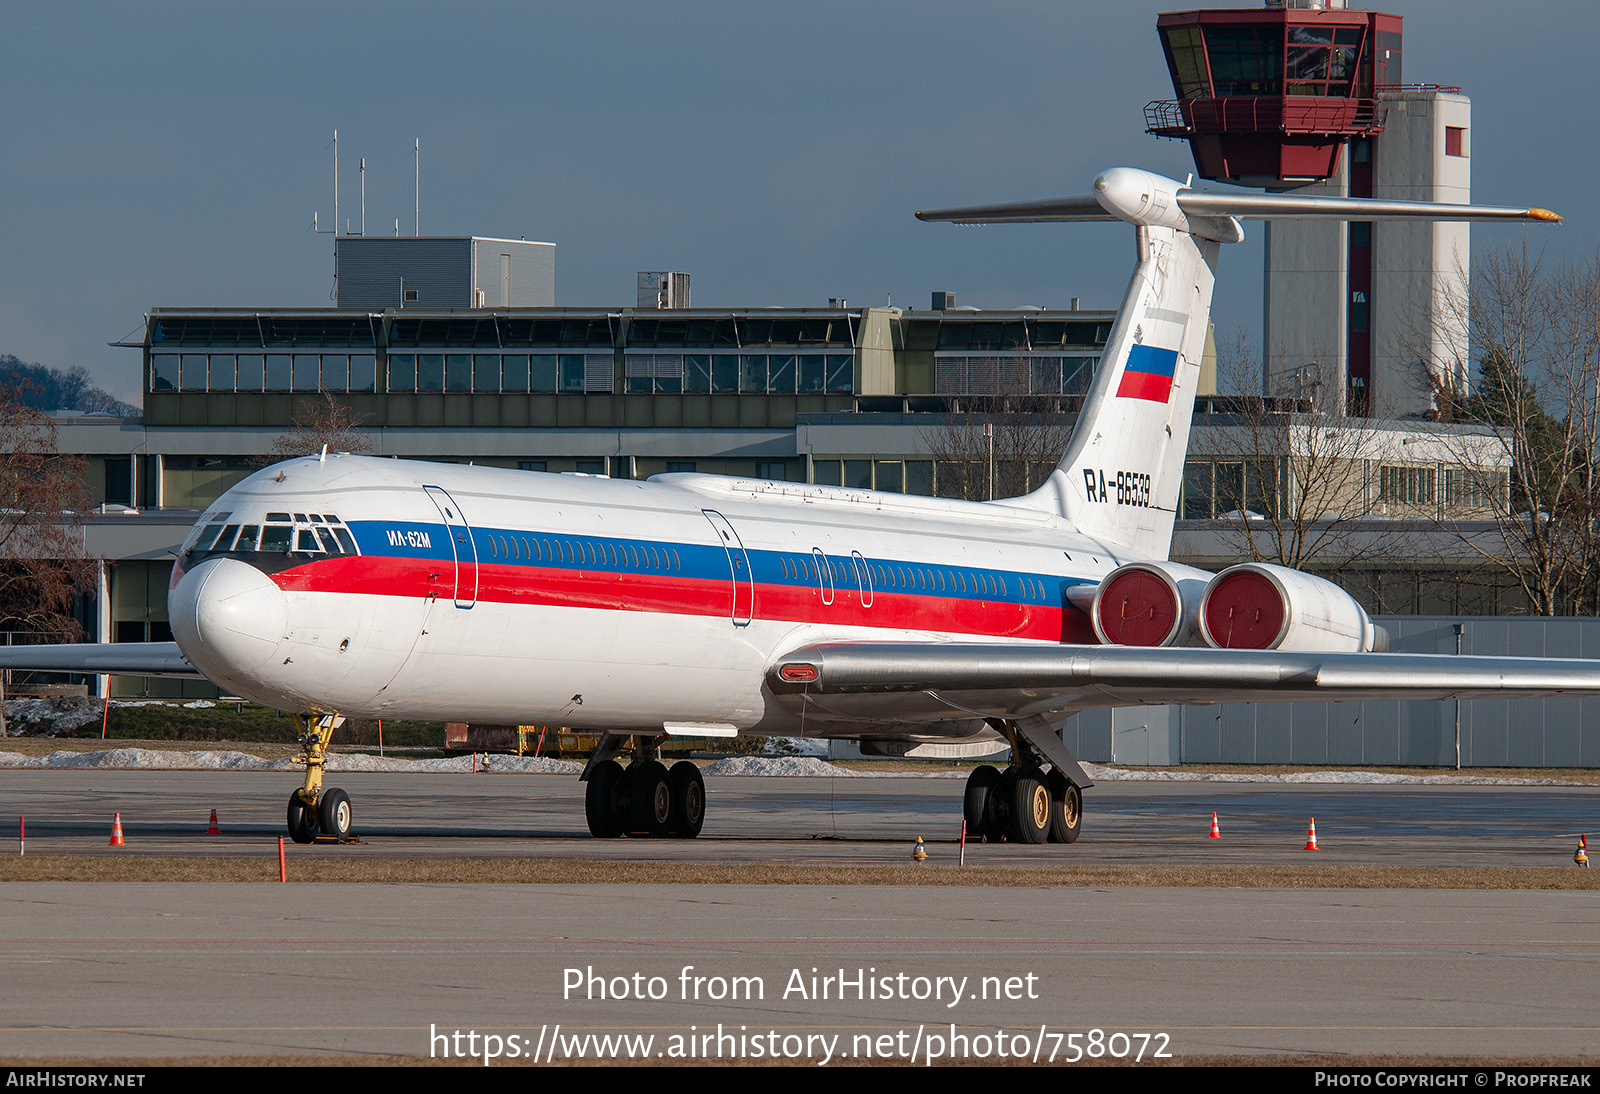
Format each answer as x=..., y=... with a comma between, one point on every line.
x=635, y=592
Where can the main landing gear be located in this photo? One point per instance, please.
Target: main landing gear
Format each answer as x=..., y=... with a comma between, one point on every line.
x=314, y=811
x=646, y=798
x=1028, y=802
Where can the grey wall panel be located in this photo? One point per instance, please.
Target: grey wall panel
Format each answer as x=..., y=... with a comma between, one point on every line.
x=1309, y=732
x=1238, y=732
x=370, y=269
x=1199, y=740
x=1380, y=733
x=1561, y=731
x=1273, y=735
x=532, y=268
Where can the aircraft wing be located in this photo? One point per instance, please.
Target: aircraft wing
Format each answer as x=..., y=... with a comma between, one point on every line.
x=91, y=658
x=1011, y=681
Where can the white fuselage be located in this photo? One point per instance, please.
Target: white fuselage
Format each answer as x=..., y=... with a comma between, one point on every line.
x=497, y=596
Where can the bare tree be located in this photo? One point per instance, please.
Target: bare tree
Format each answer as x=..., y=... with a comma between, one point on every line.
x=1535, y=336
x=320, y=421
x=1003, y=440
x=1287, y=478
x=43, y=495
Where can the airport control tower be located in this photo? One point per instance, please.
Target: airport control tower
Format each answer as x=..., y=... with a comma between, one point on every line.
x=1308, y=95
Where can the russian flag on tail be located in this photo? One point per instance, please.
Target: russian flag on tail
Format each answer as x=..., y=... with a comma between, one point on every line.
x=1148, y=374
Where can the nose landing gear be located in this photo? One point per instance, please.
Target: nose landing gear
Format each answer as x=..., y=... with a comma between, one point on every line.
x=314, y=811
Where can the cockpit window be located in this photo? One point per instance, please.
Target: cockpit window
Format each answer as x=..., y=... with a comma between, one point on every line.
x=312, y=533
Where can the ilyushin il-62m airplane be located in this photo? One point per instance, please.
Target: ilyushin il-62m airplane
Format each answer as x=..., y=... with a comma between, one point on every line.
x=695, y=605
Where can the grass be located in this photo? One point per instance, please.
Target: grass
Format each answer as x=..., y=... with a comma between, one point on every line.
x=106, y=868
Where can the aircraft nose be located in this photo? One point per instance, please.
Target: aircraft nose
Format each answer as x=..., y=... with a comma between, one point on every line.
x=227, y=616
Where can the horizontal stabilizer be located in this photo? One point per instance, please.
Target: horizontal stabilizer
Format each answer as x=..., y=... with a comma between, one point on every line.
x=1248, y=206
x=1086, y=207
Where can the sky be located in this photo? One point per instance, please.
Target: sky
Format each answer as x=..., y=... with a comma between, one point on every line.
x=173, y=154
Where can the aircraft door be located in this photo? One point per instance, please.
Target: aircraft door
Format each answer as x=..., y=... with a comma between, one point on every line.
x=462, y=548
x=744, y=589
x=863, y=578
x=824, y=574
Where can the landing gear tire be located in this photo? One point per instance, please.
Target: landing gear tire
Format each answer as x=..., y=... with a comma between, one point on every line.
x=1030, y=807
x=333, y=814
x=688, y=793
x=604, y=804
x=1066, y=809
x=979, y=801
x=302, y=820
x=649, y=799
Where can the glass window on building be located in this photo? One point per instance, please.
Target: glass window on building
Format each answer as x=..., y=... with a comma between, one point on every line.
x=776, y=470
x=813, y=373
x=252, y=372
x=1197, y=491
x=592, y=467
x=363, y=371
x=675, y=467
x=335, y=372
x=696, y=372
x=277, y=372
x=402, y=372
x=781, y=374
x=542, y=372
x=486, y=372
x=307, y=372
x=841, y=373
x=163, y=371
x=533, y=465
x=514, y=372
x=192, y=372
x=825, y=472
x=430, y=372
x=753, y=372
x=858, y=474
x=571, y=372
x=919, y=477
x=1403, y=485
x=889, y=476
x=725, y=373
x=458, y=372
x=221, y=372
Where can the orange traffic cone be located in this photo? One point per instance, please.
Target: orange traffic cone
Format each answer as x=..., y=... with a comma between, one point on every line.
x=1216, y=833
x=213, y=830
x=1311, y=836
x=116, y=831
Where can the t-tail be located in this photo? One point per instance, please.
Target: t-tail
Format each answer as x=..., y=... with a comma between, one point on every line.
x=1120, y=478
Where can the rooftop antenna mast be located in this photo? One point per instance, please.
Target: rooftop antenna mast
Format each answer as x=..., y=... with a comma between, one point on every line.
x=416, y=151
x=363, y=195
x=315, y=227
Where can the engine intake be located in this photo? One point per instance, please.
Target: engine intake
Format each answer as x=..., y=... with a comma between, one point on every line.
x=1148, y=604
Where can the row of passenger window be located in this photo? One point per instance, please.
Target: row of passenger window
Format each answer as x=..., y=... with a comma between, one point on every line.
x=580, y=551
x=931, y=579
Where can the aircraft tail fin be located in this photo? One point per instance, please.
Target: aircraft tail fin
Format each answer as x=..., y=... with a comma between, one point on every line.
x=1122, y=474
